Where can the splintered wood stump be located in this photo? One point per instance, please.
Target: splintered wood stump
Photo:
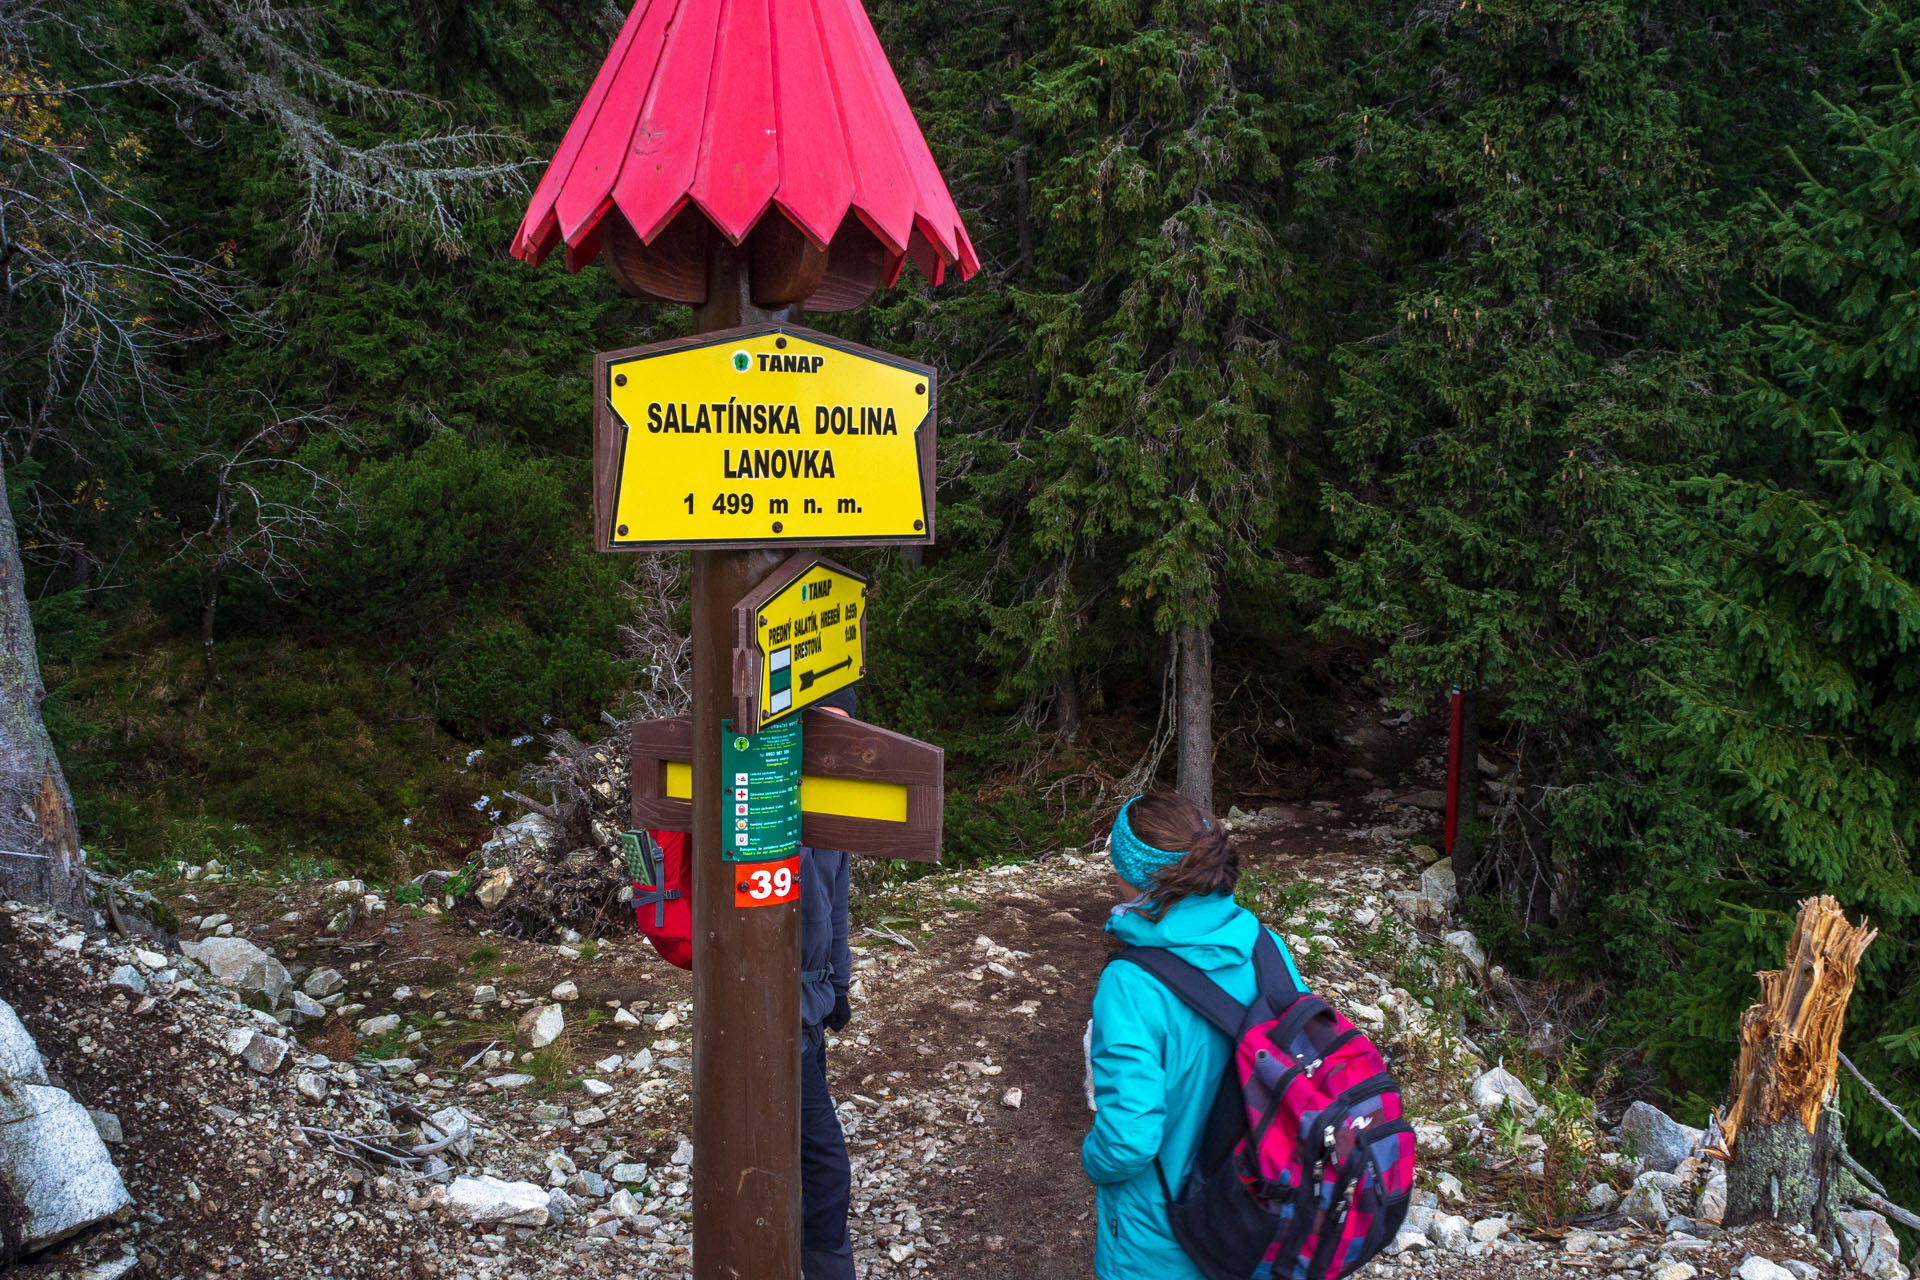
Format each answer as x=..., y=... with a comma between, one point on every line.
x=1785, y=1140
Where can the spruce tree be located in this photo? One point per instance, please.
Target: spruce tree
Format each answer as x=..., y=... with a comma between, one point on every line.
x=1511, y=433
x=1817, y=601
x=1173, y=324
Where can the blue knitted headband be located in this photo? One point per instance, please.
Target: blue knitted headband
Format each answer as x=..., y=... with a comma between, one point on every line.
x=1138, y=862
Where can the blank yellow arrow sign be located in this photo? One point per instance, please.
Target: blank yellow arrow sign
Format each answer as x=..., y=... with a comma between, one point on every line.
x=832, y=797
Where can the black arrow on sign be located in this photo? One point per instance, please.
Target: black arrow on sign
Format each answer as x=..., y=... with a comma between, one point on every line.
x=808, y=677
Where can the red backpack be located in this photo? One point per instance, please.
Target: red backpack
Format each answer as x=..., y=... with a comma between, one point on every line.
x=1305, y=1167
x=657, y=865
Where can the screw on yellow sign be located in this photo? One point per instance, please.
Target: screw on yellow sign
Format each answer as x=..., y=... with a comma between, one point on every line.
x=764, y=435
x=804, y=634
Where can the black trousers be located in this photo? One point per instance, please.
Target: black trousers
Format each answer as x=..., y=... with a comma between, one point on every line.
x=826, y=1179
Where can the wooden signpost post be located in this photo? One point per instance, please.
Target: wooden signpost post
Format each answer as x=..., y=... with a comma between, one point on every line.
x=751, y=177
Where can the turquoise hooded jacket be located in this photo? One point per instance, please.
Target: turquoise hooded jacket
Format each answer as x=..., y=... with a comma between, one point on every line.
x=1156, y=1066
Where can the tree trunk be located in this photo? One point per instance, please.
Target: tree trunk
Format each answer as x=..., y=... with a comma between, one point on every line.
x=1196, y=715
x=208, y=606
x=1022, y=221
x=1022, y=213
x=1786, y=1141
x=40, y=858
x=1066, y=705
x=1466, y=852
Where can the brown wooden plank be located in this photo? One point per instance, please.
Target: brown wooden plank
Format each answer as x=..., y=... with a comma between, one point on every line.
x=831, y=747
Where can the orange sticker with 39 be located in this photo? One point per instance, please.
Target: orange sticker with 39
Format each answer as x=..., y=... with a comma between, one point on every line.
x=766, y=884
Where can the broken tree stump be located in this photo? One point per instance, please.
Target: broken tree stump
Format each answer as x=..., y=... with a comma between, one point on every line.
x=1786, y=1143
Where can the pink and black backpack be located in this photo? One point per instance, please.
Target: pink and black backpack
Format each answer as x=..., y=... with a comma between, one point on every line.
x=1305, y=1167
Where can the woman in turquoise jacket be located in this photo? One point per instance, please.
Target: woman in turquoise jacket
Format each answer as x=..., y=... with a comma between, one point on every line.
x=1155, y=1064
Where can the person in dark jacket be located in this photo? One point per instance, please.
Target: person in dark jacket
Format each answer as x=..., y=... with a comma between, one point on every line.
x=826, y=971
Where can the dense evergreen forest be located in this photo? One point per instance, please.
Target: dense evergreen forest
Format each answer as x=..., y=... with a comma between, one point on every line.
x=1554, y=350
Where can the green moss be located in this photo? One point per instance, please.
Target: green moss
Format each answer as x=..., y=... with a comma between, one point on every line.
x=309, y=759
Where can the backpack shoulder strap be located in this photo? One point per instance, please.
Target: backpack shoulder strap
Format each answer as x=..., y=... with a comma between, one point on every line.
x=1195, y=989
x=1271, y=969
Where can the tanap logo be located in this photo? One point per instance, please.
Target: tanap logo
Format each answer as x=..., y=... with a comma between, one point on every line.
x=740, y=744
x=742, y=362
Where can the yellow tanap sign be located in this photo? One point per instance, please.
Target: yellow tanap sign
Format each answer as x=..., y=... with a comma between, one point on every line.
x=804, y=629
x=764, y=435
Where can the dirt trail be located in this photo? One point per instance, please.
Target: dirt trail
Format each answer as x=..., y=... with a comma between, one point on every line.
x=960, y=1012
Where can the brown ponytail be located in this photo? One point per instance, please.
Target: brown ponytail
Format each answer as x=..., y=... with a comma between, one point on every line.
x=1174, y=823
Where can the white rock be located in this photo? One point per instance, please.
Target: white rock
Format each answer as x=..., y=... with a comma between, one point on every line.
x=596, y=1088
x=1451, y=1232
x=488, y=1199
x=1487, y=1230
x=380, y=1025
x=128, y=977
x=485, y=993
x=452, y=1122
x=1448, y=1186
x=311, y=1086
x=493, y=887
x=641, y=1061
x=566, y=991
x=511, y=1080
x=1463, y=942
x=1406, y=1240
x=1430, y=1136
x=629, y=1172
x=1500, y=1085
x=668, y=1021
x=1601, y=1197
x=1712, y=1205
x=1644, y=1204
x=587, y=1117
x=264, y=1053
x=322, y=983
x=540, y=1026
x=54, y=1163
x=305, y=1006
x=242, y=966
x=1756, y=1267
x=532, y=834
x=1011, y=1099
x=1676, y=1271
x=622, y=1202
x=1661, y=1142
x=150, y=960
x=609, y=1063
x=683, y=1154
x=1579, y=1242
x=19, y=1056
x=1439, y=892
x=622, y=1018
x=1866, y=1238
x=108, y=1126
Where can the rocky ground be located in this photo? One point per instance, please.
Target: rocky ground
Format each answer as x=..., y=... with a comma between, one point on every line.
x=429, y=1099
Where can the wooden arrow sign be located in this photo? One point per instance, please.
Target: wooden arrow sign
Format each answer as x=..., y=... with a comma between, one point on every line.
x=863, y=789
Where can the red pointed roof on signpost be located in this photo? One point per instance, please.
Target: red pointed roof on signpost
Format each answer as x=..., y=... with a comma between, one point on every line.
x=736, y=107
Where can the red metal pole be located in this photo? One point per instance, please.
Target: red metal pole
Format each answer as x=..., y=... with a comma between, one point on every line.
x=1453, y=772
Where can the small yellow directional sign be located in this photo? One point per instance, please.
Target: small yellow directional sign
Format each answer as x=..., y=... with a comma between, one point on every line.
x=759, y=436
x=802, y=635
